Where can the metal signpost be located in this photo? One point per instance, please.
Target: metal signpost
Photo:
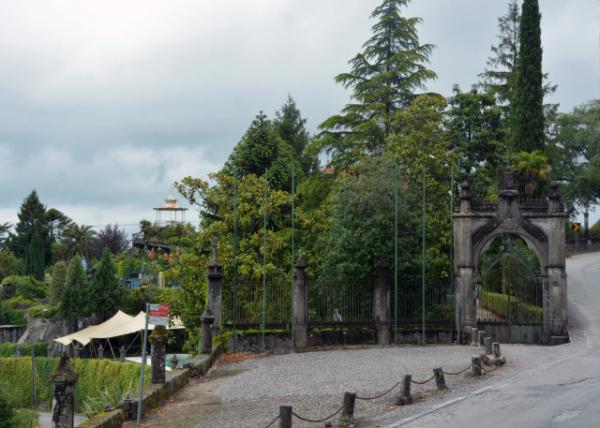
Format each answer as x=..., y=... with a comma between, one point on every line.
x=157, y=314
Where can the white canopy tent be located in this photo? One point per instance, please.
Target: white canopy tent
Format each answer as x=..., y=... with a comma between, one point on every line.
x=120, y=324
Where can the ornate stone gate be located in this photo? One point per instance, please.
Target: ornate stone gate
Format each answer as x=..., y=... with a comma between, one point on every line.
x=540, y=223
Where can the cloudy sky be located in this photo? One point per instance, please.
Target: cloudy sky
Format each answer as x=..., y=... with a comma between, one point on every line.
x=104, y=104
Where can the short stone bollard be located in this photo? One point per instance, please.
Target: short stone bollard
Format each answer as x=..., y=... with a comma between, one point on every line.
x=122, y=353
x=129, y=408
x=474, y=336
x=476, y=365
x=488, y=345
x=496, y=348
x=347, y=416
x=100, y=351
x=481, y=337
x=405, y=398
x=440, y=381
x=285, y=416
x=158, y=340
x=206, y=319
x=63, y=404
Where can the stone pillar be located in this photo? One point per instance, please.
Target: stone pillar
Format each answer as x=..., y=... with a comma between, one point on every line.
x=122, y=353
x=206, y=320
x=215, y=290
x=100, y=351
x=285, y=416
x=76, y=350
x=300, y=309
x=63, y=403
x=158, y=341
x=381, y=303
x=476, y=365
x=347, y=415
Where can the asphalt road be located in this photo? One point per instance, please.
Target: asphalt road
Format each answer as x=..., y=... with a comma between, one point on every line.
x=561, y=388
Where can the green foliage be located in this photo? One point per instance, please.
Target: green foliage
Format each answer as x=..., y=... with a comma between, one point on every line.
x=25, y=418
x=129, y=265
x=94, y=376
x=43, y=311
x=75, y=299
x=262, y=151
x=8, y=349
x=383, y=79
x=109, y=395
x=106, y=293
x=57, y=282
x=78, y=240
x=24, y=286
x=509, y=306
x=527, y=110
x=7, y=410
x=9, y=264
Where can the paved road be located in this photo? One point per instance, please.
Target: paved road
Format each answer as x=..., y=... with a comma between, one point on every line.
x=560, y=388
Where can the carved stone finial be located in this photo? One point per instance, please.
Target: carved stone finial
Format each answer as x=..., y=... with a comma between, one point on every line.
x=508, y=181
x=465, y=190
x=300, y=262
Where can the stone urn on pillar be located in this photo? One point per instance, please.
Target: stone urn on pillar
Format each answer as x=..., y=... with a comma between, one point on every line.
x=63, y=403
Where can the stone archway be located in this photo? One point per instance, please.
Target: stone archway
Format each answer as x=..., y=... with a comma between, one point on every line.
x=540, y=223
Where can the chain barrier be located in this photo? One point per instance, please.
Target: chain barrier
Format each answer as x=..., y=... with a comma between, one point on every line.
x=380, y=395
x=316, y=421
x=456, y=373
x=272, y=422
x=416, y=382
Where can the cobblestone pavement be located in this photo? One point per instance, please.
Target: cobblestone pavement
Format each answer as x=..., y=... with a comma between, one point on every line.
x=249, y=393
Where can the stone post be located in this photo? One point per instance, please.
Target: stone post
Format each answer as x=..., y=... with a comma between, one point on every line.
x=100, y=351
x=476, y=365
x=300, y=309
x=285, y=416
x=381, y=303
x=481, y=337
x=440, y=381
x=174, y=362
x=488, y=346
x=63, y=403
x=347, y=416
x=158, y=340
x=122, y=353
x=76, y=350
x=206, y=319
x=474, y=336
x=405, y=398
x=215, y=290
x=496, y=348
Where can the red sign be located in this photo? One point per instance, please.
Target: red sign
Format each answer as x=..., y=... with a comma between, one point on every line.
x=158, y=313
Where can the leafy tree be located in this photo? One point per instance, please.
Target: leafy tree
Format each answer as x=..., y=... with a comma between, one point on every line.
x=106, y=291
x=474, y=124
x=383, y=79
x=75, y=299
x=30, y=240
x=57, y=282
x=261, y=151
x=527, y=104
x=113, y=238
x=9, y=264
x=57, y=223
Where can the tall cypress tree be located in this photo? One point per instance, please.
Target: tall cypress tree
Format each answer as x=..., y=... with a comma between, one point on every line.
x=30, y=241
x=527, y=107
x=75, y=298
x=106, y=292
x=383, y=79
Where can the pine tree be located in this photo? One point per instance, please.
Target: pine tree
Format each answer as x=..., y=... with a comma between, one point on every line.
x=499, y=74
x=74, y=303
x=57, y=282
x=383, y=79
x=106, y=291
x=30, y=241
x=527, y=106
x=262, y=150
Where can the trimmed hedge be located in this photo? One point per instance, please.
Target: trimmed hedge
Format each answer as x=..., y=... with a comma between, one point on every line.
x=8, y=349
x=94, y=376
x=500, y=305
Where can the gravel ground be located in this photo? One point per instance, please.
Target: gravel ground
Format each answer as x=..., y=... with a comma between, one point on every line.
x=249, y=393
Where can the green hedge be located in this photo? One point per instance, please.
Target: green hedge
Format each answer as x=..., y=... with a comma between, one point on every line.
x=94, y=376
x=500, y=305
x=8, y=349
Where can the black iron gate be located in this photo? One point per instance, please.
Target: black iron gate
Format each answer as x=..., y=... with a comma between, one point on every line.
x=509, y=293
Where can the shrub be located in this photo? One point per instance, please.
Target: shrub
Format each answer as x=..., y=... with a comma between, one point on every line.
x=6, y=409
x=502, y=306
x=42, y=311
x=94, y=377
x=8, y=349
x=25, y=286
